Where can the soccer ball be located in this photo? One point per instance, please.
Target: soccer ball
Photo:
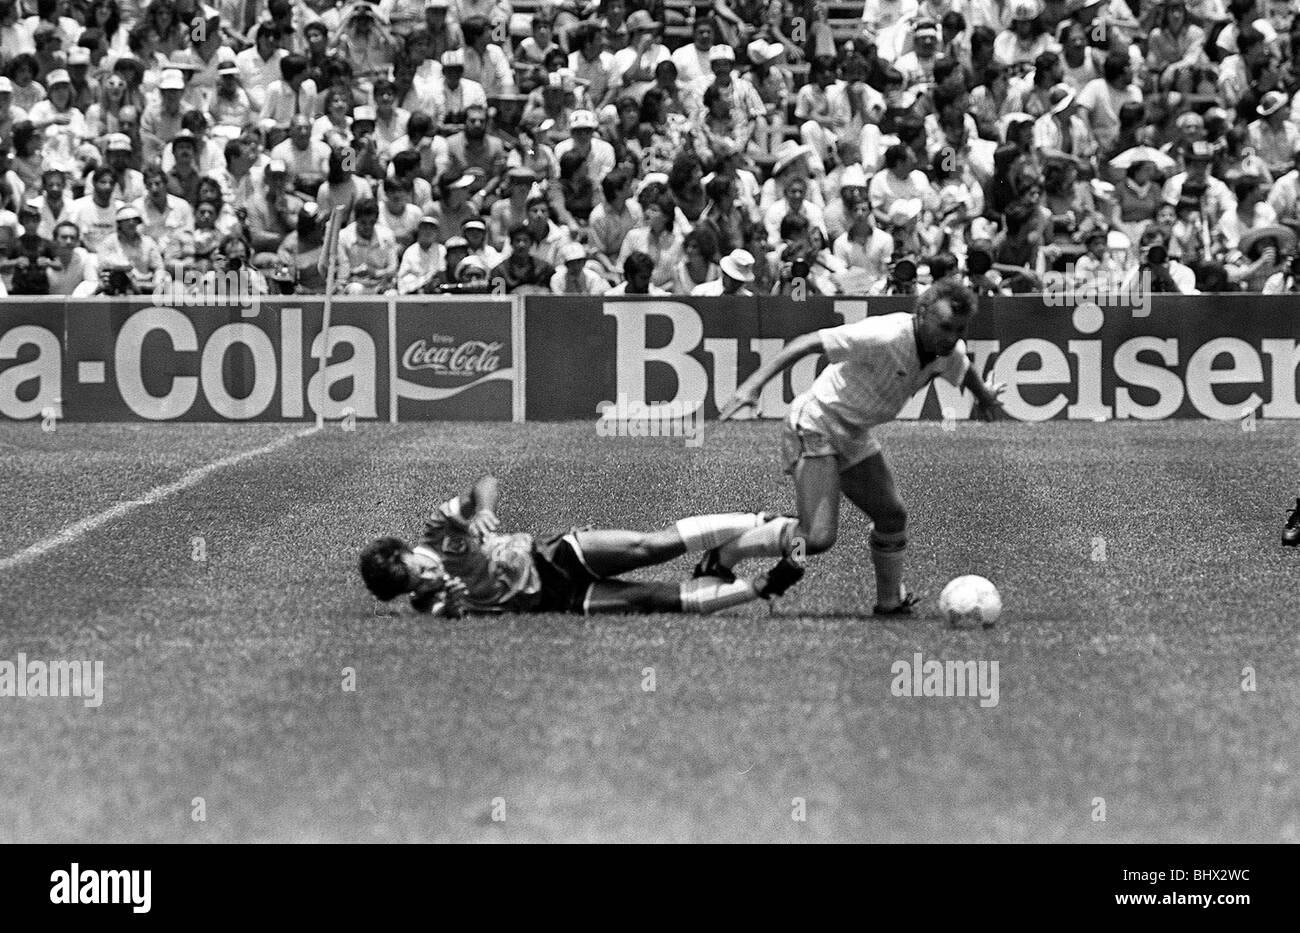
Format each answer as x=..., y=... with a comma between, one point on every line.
x=971, y=600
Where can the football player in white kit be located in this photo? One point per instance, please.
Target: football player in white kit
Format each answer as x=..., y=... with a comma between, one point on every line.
x=876, y=365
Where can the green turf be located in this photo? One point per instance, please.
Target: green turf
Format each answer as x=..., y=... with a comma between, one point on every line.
x=1119, y=678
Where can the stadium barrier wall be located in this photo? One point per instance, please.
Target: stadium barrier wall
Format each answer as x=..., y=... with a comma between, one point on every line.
x=142, y=360
x=564, y=358
x=1165, y=356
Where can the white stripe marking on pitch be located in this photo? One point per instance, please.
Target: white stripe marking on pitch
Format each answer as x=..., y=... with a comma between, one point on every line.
x=87, y=525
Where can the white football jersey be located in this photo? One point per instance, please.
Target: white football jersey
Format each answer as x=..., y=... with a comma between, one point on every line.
x=875, y=367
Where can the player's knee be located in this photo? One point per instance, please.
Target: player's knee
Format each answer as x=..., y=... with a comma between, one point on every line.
x=819, y=538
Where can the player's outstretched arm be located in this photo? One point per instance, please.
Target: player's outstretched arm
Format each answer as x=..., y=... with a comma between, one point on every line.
x=747, y=393
x=483, y=499
x=988, y=395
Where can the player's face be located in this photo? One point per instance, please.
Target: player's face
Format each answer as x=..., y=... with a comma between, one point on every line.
x=422, y=569
x=940, y=329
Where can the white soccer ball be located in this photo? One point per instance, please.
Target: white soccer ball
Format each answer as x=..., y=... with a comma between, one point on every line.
x=971, y=600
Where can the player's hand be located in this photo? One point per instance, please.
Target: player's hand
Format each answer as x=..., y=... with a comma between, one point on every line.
x=745, y=397
x=991, y=409
x=484, y=523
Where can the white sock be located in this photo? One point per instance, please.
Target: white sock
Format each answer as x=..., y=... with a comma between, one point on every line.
x=888, y=553
x=708, y=594
x=768, y=540
x=701, y=532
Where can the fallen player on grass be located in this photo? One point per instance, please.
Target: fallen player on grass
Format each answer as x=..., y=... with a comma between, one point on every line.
x=463, y=563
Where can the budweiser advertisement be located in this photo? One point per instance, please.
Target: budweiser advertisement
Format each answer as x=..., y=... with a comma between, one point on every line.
x=137, y=359
x=1219, y=357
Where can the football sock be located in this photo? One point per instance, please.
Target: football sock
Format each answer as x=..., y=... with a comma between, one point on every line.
x=708, y=594
x=888, y=551
x=701, y=532
x=768, y=540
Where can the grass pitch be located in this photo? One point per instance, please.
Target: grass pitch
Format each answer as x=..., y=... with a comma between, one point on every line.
x=1139, y=565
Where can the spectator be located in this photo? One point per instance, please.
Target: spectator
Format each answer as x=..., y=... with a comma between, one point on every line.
x=367, y=252
x=521, y=272
x=638, y=269
x=422, y=260
x=735, y=280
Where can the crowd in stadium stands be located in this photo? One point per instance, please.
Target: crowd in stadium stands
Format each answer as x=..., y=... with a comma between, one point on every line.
x=649, y=147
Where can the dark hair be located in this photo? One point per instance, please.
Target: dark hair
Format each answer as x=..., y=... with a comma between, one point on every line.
x=702, y=237
x=195, y=121
x=405, y=162
x=519, y=229
x=942, y=265
x=896, y=155
x=1247, y=38
x=652, y=104
x=682, y=169
x=367, y=206
x=103, y=172
x=114, y=17
x=1017, y=214
x=24, y=60
x=270, y=30
x=152, y=170
x=982, y=37
x=382, y=568
x=1115, y=64
x=234, y=150
x=571, y=163
x=23, y=133
x=396, y=184
x=472, y=29
x=637, y=262
x=793, y=225
x=419, y=124
x=382, y=85
x=293, y=65
x=613, y=183
x=656, y=196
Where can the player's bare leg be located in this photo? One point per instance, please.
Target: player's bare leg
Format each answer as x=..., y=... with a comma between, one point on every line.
x=870, y=486
x=696, y=596
x=610, y=552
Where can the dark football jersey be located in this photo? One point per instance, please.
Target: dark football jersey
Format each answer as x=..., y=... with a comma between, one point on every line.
x=498, y=571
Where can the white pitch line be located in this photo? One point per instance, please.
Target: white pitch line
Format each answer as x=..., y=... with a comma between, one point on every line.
x=87, y=525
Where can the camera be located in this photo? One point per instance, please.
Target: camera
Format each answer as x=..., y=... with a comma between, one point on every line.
x=116, y=282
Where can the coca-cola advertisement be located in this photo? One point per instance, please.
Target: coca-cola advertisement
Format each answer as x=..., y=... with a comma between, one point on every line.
x=455, y=360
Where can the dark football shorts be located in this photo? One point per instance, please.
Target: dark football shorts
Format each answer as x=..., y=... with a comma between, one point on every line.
x=564, y=573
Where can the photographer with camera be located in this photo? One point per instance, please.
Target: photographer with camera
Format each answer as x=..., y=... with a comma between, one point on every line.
x=132, y=251
x=1261, y=254
x=804, y=264
x=1157, y=273
x=231, y=267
